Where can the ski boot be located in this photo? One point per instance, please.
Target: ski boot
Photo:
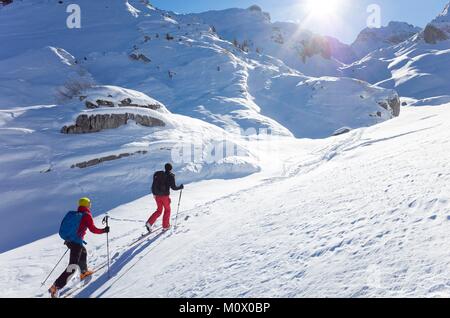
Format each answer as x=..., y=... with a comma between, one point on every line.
x=148, y=227
x=85, y=275
x=54, y=291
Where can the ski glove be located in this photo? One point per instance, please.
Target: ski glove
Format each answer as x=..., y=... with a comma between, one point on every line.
x=182, y=187
x=106, y=229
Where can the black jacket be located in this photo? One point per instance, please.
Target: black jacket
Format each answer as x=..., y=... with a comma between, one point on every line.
x=164, y=187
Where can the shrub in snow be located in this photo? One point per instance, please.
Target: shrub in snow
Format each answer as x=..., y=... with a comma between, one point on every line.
x=71, y=89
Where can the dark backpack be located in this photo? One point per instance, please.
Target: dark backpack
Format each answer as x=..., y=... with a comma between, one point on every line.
x=68, y=230
x=159, y=186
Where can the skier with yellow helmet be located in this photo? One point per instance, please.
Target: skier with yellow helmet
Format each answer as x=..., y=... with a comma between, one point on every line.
x=73, y=230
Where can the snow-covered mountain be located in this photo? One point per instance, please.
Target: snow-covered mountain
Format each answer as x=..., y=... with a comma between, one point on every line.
x=178, y=61
x=371, y=39
x=252, y=30
x=345, y=170
x=416, y=68
x=81, y=112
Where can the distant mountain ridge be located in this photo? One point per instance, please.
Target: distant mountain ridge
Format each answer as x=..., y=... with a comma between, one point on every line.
x=371, y=39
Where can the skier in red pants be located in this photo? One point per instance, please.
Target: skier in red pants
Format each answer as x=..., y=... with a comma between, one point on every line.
x=163, y=181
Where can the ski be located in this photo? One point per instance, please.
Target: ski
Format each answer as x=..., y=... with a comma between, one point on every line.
x=143, y=236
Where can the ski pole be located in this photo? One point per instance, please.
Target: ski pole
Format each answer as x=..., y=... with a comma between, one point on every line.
x=55, y=267
x=105, y=221
x=178, y=209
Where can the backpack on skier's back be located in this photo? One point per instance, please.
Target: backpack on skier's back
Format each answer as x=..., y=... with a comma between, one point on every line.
x=159, y=186
x=68, y=230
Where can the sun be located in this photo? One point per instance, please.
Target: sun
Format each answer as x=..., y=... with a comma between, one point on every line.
x=323, y=9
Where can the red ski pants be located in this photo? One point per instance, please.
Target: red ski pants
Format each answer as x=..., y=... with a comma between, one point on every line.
x=162, y=202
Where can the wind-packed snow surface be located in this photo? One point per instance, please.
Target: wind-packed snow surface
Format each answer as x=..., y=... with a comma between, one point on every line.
x=363, y=214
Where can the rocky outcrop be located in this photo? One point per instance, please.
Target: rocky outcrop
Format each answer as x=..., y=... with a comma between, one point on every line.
x=127, y=102
x=140, y=57
x=255, y=8
x=95, y=123
x=433, y=35
x=342, y=131
x=315, y=46
x=94, y=162
x=392, y=104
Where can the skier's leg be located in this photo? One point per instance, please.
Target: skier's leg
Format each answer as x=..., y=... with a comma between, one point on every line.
x=166, y=217
x=82, y=262
x=158, y=211
x=75, y=252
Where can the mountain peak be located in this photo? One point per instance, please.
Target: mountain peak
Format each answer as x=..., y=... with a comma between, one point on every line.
x=444, y=16
x=439, y=29
x=371, y=39
x=394, y=24
x=446, y=10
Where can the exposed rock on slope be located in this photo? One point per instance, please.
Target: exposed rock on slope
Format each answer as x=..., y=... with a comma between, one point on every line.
x=439, y=29
x=95, y=123
x=113, y=96
x=94, y=162
x=392, y=104
x=433, y=34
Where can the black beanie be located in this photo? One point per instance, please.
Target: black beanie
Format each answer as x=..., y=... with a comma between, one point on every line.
x=168, y=167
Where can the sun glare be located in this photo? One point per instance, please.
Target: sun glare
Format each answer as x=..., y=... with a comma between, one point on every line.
x=323, y=9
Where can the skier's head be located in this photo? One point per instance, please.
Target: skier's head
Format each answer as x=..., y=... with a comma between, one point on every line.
x=168, y=167
x=84, y=202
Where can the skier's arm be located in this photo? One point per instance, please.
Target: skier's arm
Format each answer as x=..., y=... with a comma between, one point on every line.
x=173, y=184
x=91, y=226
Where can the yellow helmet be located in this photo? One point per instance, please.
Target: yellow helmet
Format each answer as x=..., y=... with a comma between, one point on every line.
x=84, y=202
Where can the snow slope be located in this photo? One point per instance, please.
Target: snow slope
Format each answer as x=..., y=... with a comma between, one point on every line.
x=362, y=214
x=52, y=76
x=359, y=214
x=36, y=155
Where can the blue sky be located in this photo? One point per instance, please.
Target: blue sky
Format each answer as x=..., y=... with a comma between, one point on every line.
x=346, y=23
